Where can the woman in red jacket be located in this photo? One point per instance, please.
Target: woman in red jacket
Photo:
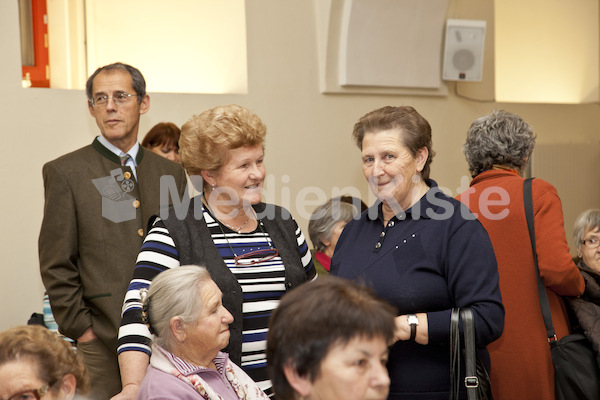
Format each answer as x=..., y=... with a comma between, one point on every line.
x=497, y=149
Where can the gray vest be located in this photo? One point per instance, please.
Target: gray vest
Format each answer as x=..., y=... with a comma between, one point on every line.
x=195, y=246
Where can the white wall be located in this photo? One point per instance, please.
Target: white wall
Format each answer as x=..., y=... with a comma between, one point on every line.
x=308, y=140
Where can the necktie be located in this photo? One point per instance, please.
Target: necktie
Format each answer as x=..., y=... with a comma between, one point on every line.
x=124, y=158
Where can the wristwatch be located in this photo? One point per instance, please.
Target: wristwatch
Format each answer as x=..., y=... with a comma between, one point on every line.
x=413, y=321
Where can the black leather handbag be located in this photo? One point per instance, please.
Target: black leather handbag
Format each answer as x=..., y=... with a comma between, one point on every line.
x=477, y=379
x=576, y=372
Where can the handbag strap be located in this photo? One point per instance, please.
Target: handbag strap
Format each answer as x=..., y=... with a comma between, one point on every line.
x=454, y=354
x=471, y=379
x=545, y=305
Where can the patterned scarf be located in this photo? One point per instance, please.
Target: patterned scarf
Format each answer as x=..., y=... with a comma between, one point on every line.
x=244, y=387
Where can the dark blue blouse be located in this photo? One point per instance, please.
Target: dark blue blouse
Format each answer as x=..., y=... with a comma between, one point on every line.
x=431, y=258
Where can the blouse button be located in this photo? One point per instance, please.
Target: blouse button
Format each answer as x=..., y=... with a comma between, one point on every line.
x=127, y=174
x=378, y=245
x=382, y=234
x=391, y=224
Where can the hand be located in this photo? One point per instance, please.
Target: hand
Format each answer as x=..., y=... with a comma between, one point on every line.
x=87, y=336
x=402, y=331
x=133, y=365
x=129, y=392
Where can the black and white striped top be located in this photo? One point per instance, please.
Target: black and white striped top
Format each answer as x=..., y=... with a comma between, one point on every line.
x=262, y=285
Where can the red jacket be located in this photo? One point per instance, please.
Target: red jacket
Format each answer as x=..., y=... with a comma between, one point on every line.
x=521, y=361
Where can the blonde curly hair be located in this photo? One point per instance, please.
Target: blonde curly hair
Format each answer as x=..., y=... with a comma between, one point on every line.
x=54, y=357
x=206, y=138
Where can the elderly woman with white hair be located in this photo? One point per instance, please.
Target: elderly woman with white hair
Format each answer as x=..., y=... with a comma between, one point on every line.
x=184, y=310
x=325, y=227
x=586, y=234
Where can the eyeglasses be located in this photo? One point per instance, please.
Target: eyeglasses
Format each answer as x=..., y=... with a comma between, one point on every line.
x=31, y=394
x=120, y=98
x=252, y=257
x=256, y=256
x=591, y=243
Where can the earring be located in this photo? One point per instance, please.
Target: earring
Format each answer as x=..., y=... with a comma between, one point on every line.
x=213, y=186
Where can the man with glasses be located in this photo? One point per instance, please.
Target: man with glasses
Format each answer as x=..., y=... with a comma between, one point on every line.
x=98, y=200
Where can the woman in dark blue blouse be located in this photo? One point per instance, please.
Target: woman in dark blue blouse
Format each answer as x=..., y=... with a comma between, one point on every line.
x=419, y=249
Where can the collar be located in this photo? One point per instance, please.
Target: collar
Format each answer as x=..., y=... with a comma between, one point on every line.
x=494, y=174
x=375, y=212
x=136, y=152
x=582, y=267
x=323, y=259
x=164, y=360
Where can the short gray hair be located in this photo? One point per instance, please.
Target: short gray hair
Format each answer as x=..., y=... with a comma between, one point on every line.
x=587, y=221
x=325, y=218
x=174, y=293
x=501, y=138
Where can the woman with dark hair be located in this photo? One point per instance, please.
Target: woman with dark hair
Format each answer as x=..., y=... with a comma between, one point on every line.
x=420, y=250
x=163, y=139
x=497, y=149
x=35, y=363
x=329, y=340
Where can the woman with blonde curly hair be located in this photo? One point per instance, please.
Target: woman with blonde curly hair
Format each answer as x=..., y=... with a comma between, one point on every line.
x=254, y=251
x=35, y=363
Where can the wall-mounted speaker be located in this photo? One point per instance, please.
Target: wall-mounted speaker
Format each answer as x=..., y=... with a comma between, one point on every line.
x=463, y=51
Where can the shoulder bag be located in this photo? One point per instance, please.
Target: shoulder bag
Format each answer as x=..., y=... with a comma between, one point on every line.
x=576, y=373
x=477, y=380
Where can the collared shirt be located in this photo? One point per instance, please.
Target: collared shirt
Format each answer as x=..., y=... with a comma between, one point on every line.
x=215, y=379
x=133, y=152
x=323, y=259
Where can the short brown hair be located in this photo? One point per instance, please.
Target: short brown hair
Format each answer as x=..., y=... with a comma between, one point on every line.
x=161, y=134
x=206, y=138
x=415, y=130
x=54, y=357
x=316, y=316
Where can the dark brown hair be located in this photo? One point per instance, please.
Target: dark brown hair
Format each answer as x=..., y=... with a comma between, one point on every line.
x=313, y=318
x=415, y=131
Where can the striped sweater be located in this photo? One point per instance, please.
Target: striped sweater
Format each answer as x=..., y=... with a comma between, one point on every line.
x=262, y=284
